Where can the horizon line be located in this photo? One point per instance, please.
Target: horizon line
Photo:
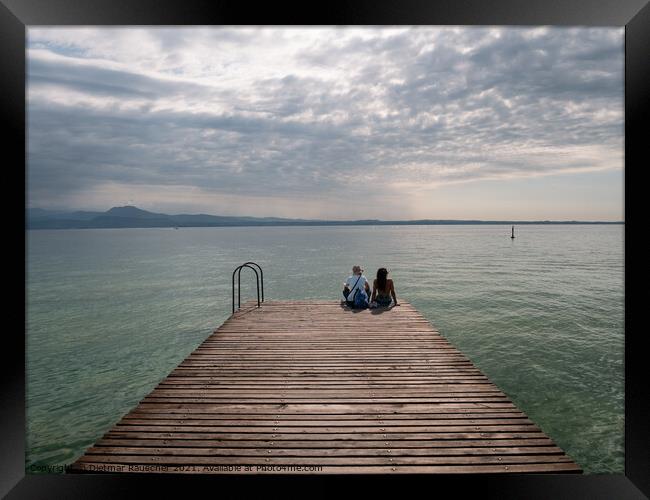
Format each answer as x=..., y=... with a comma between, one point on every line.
x=508, y=221
x=352, y=221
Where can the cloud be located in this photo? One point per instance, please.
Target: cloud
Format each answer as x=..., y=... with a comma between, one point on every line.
x=297, y=114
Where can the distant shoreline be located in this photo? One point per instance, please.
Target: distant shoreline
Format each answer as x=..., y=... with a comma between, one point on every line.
x=134, y=217
x=325, y=224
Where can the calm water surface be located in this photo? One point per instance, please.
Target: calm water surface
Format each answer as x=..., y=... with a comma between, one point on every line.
x=110, y=312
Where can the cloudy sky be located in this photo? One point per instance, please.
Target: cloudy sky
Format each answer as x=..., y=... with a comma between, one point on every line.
x=324, y=122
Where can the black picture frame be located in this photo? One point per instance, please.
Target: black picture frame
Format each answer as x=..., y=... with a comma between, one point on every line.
x=16, y=15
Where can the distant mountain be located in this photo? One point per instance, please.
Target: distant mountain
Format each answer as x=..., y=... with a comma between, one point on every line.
x=133, y=213
x=130, y=216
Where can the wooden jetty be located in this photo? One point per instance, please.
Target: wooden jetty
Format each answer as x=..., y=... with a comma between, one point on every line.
x=313, y=387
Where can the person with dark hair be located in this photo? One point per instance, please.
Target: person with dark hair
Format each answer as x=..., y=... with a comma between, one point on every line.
x=382, y=290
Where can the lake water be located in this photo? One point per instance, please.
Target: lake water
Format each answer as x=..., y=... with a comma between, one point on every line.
x=110, y=312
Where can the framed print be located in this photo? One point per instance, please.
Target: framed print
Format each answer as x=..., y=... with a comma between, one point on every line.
x=403, y=134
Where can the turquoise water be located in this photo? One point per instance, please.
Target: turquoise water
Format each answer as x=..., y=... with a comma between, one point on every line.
x=110, y=312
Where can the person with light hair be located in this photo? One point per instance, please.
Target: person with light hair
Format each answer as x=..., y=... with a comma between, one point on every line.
x=355, y=284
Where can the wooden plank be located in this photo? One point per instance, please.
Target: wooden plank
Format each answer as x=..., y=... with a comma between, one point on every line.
x=322, y=452
x=384, y=423
x=432, y=444
x=333, y=430
x=356, y=436
x=341, y=417
x=102, y=467
x=325, y=460
x=335, y=408
x=288, y=388
x=289, y=400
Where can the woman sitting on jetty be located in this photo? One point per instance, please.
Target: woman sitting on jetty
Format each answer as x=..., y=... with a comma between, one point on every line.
x=382, y=290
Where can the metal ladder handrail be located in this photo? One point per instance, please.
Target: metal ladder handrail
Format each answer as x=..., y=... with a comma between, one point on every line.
x=257, y=282
x=261, y=275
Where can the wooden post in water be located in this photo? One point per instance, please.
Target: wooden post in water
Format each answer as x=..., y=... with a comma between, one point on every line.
x=513, y=233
